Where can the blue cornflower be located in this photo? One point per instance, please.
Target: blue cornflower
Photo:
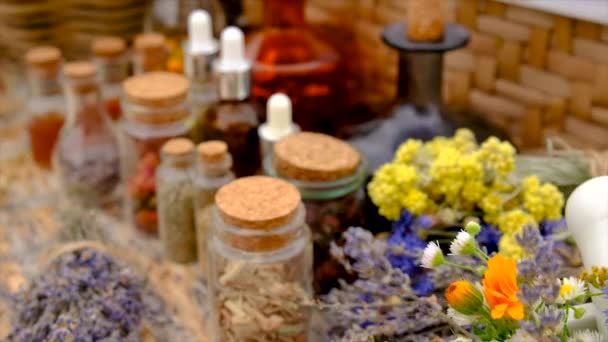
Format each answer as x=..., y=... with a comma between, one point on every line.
x=551, y=227
x=488, y=237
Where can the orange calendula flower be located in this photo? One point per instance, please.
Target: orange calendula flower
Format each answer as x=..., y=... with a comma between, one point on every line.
x=500, y=288
x=464, y=297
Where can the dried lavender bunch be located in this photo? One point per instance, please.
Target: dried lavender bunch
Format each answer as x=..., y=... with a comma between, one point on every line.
x=381, y=302
x=84, y=295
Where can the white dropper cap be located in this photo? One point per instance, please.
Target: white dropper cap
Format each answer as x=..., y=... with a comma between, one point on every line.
x=232, y=53
x=278, y=117
x=200, y=32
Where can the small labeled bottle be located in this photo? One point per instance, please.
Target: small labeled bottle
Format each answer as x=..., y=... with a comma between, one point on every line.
x=150, y=53
x=278, y=123
x=46, y=103
x=330, y=175
x=260, y=257
x=201, y=51
x=112, y=65
x=155, y=110
x=176, y=201
x=87, y=156
x=234, y=119
x=213, y=170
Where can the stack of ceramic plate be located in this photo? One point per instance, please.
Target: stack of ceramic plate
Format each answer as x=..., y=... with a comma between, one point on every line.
x=24, y=24
x=85, y=20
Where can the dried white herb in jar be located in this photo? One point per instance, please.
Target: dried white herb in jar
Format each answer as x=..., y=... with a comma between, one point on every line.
x=260, y=263
x=176, y=201
x=213, y=170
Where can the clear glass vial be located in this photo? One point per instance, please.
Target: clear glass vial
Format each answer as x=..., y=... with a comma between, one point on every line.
x=150, y=53
x=87, y=156
x=109, y=55
x=155, y=110
x=176, y=201
x=46, y=103
x=330, y=175
x=213, y=170
x=260, y=259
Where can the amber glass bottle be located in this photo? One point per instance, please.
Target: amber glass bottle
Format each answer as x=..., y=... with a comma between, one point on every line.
x=289, y=58
x=234, y=119
x=46, y=104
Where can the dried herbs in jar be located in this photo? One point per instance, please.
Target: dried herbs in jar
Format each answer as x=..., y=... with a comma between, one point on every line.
x=176, y=201
x=87, y=156
x=329, y=174
x=260, y=263
x=213, y=170
x=155, y=111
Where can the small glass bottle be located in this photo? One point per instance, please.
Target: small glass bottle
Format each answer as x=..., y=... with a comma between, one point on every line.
x=112, y=62
x=46, y=104
x=175, y=201
x=87, y=156
x=234, y=119
x=260, y=258
x=289, y=58
x=155, y=110
x=150, y=53
x=213, y=170
x=201, y=51
x=278, y=123
x=330, y=175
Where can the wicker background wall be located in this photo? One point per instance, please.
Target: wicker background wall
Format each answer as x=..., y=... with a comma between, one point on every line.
x=532, y=73
x=69, y=24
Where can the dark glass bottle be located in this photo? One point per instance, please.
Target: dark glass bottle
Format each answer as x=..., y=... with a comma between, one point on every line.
x=234, y=119
x=289, y=58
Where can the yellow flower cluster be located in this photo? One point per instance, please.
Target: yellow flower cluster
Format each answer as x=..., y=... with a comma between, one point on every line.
x=475, y=180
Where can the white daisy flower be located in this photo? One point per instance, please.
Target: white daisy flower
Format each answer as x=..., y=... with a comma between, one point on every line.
x=570, y=289
x=521, y=336
x=463, y=244
x=586, y=336
x=460, y=319
x=432, y=256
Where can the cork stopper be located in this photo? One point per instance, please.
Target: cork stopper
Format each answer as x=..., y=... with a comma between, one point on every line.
x=108, y=47
x=212, y=151
x=79, y=70
x=178, y=147
x=156, y=89
x=257, y=202
x=315, y=157
x=149, y=42
x=43, y=56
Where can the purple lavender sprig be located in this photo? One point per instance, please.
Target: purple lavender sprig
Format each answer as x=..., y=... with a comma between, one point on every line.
x=381, y=302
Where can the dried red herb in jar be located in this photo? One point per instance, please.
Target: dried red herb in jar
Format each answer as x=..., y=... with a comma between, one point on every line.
x=155, y=111
x=330, y=175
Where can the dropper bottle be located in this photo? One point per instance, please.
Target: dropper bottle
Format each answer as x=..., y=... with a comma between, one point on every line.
x=202, y=50
x=234, y=118
x=278, y=125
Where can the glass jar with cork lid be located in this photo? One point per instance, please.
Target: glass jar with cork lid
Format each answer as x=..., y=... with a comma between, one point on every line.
x=330, y=175
x=260, y=263
x=213, y=170
x=112, y=62
x=176, y=200
x=150, y=53
x=155, y=110
x=46, y=104
x=87, y=156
